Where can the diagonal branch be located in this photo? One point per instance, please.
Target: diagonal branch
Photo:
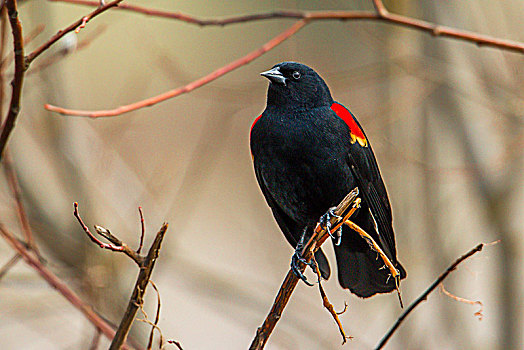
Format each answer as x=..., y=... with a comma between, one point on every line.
x=57, y=284
x=80, y=22
x=305, y=17
x=189, y=87
x=424, y=296
x=343, y=211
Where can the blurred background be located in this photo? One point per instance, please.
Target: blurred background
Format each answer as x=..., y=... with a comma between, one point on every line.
x=445, y=119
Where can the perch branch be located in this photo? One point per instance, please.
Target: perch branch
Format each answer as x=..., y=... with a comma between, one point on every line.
x=284, y=294
x=424, y=295
x=57, y=284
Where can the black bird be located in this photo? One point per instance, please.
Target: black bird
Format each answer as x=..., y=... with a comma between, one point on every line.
x=309, y=152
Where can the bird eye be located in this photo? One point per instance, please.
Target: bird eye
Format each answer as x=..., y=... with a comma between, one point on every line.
x=296, y=75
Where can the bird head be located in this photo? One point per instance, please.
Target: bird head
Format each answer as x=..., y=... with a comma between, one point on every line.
x=297, y=86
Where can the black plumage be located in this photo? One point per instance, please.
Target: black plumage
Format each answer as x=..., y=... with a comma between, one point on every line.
x=308, y=153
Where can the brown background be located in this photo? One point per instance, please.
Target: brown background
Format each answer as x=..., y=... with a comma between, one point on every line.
x=444, y=117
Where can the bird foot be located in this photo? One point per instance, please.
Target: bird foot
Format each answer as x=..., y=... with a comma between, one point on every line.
x=296, y=259
x=325, y=222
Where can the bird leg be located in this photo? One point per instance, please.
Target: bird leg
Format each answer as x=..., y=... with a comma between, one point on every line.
x=325, y=222
x=297, y=258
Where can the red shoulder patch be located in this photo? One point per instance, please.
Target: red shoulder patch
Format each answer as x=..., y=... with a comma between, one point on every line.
x=256, y=120
x=356, y=133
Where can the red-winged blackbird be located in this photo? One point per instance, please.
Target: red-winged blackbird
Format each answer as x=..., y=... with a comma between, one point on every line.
x=309, y=152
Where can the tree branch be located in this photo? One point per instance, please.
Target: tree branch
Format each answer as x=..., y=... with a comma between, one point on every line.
x=18, y=79
x=305, y=17
x=116, y=244
x=57, y=284
x=344, y=210
x=189, y=87
x=146, y=264
x=424, y=296
x=381, y=14
x=138, y=292
x=80, y=22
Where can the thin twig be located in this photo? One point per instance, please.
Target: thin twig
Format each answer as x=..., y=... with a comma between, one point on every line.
x=18, y=79
x=381, y=9
x=189, y=87
x=381, y=14
x=57, y=284
x=154, y=325
x=142, y=232
x=424, y=295
x=479, y=313
x=327, y=304
x=116, y=244
x=176, y=343
x=138, y=292
x=12, y=179
x=376, y=248
x=9, y=264
x=42, y=48
x=291, y=280
x=96, y=340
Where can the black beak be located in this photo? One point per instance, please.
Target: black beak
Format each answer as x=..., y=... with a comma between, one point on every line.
x=275, y=76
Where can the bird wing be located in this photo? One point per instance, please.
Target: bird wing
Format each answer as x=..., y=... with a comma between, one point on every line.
x=366, y=173
x=286, y=224
x=289, y=227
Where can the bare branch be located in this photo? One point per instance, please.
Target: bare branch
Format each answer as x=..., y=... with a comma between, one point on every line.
x=143, y=231
x=424, y=296
x=305, y=17
x=136, y=299
x=57, y=284
x=18, y=79
x=82, y=21
x=116, y=244
x=479, y=313
x=327, y=304
x=9, y=264
x=381, y=14
x=189, y=87
x=345, y=208
x=12, y=179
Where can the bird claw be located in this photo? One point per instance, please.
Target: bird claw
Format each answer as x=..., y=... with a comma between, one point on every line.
x=295, y=266
x=325, y=222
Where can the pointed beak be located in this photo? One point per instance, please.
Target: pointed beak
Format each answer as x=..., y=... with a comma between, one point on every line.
x=275, y=76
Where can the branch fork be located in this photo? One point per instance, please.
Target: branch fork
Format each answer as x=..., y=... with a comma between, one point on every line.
x=146, y=263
